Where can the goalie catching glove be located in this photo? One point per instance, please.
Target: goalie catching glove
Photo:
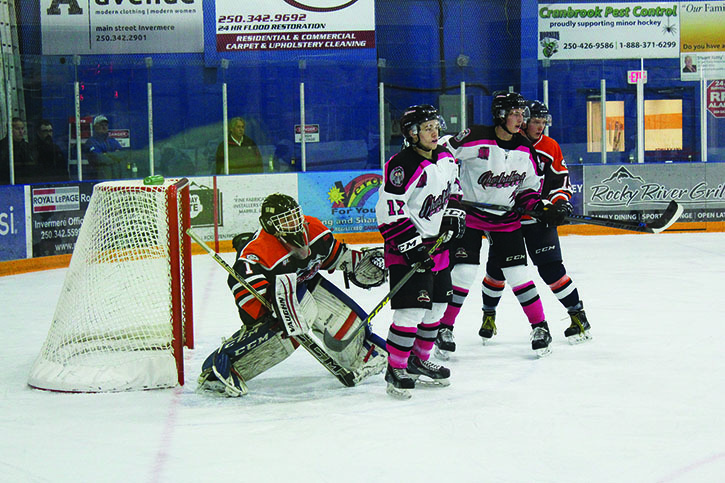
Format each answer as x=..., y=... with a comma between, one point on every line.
x=365, y=268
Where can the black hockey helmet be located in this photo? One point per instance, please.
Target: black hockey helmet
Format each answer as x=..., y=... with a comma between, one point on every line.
x=538, y=110
x=414, y=116
x=503, y=102
x=282, y=217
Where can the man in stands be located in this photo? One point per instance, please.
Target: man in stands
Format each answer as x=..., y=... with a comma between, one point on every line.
x=282, y=262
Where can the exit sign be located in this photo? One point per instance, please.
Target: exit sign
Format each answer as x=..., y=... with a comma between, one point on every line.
x=634, y=75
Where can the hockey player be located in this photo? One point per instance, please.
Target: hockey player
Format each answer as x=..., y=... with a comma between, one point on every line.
x=498, y=166
x=282, y=263
x=419, y=202
x=542, y=240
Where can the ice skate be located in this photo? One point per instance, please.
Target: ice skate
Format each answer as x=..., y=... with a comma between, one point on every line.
x=578, y=331
x=540, y=339
x=445, y=343
x=399, y=383
x=431, y=372
x=488, y=327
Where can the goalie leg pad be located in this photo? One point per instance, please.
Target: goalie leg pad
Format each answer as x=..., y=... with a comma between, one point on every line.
x=246, y=354
x=288, y=306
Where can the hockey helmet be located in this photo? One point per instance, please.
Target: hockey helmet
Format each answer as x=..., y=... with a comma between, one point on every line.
x=282, y=217
x=538, y=110
x=414, y=116
x=503, y=102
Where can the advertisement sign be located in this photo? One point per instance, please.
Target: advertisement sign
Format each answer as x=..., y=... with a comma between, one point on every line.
x=342, y=200
x=239, y=201
x=702, y=40
x=716, y=98
x=299, y=25
x=588, y=31
x=12, y=223
x=641, y=192
x=57, y=214
x=113, y=27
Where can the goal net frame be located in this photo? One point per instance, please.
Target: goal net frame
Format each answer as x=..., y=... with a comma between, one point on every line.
x=125, y=310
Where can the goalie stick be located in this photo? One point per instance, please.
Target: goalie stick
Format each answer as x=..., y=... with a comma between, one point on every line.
x=346, y=377
x=665, y=220
x=339, y=345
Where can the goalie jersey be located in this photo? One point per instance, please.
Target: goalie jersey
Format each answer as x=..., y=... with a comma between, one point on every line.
x=496, y=172
x=264, y=257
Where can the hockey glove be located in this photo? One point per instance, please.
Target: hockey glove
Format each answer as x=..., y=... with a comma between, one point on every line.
x=418, y=254
x=549, y=214
x=454, y=221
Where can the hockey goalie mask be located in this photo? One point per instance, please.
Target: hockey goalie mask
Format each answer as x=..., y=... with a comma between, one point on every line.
x=283, y=218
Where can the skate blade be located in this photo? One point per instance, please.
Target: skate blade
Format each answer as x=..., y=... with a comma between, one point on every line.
x=485, y=341
x=442, y=355
x=579, y=338
x=543, y=352
x=397, y=392
x=427, y=381
x=215, y=389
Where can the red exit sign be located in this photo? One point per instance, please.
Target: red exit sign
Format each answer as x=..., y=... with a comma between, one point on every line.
x=634, y=75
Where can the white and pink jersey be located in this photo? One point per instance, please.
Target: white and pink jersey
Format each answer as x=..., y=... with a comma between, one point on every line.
x=496, y=172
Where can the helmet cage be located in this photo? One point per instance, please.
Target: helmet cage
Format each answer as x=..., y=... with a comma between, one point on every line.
x=290, y=226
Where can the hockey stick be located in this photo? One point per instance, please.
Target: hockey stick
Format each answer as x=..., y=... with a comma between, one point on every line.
x=665, y=220
x=346, y=377
x=338, y=345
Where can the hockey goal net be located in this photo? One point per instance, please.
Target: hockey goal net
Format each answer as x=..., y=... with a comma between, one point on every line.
x=125, y=310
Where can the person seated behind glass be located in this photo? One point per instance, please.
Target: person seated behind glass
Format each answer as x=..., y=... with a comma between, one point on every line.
x=23, y=161
x=102, y=151
x=244, y=155
x=52, y=163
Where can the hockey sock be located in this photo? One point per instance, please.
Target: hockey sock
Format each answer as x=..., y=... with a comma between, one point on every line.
x=401, y=336
x=425, y=339
x=491, y=291
x=554, y=274
x=525, y=292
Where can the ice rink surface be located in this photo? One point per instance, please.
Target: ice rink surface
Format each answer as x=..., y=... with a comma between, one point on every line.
x=642, y=402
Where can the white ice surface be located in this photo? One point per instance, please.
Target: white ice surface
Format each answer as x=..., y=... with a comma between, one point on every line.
x=642, y=402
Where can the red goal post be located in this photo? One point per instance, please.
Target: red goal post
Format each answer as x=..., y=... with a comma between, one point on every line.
x=125, y=309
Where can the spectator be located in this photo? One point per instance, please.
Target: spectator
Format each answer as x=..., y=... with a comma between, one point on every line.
x=102, y=151
x=52, y=163
x=244, y=155
x=23, y=161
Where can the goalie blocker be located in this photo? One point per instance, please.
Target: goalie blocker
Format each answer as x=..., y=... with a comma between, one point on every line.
x=251, y=351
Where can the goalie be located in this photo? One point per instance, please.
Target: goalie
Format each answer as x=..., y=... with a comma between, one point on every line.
x=282, y=262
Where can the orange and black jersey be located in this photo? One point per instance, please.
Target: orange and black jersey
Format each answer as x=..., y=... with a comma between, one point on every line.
x=553, y=167
x=264, y=257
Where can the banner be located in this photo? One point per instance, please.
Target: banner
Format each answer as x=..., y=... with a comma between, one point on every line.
x=294, y=25
x=115, y=27
x=588, y=31
x=342, y=200
x=57, y=214
x=13, y=238
x=702, y=39
x=641, y=192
